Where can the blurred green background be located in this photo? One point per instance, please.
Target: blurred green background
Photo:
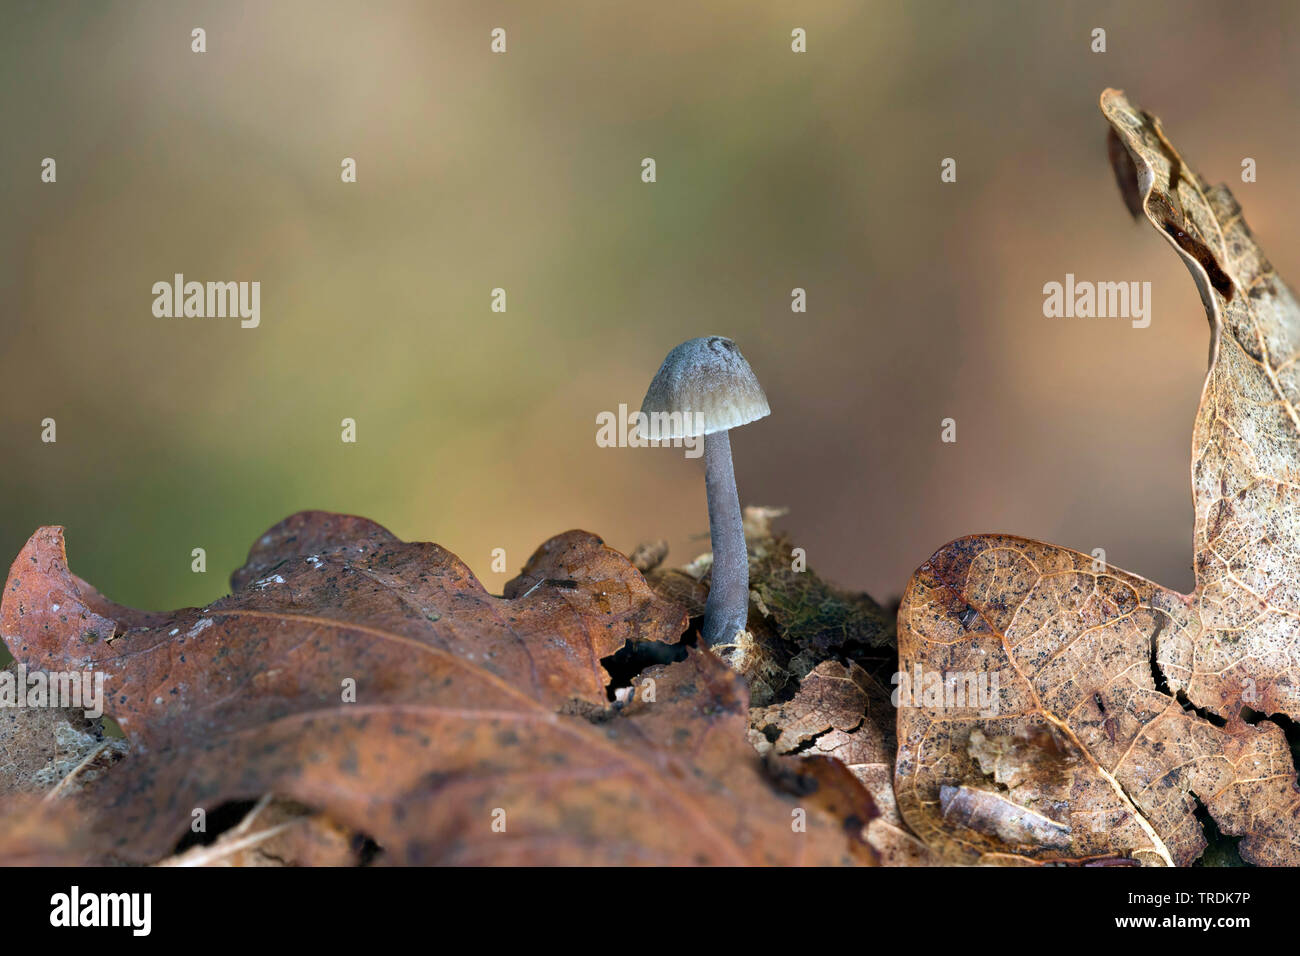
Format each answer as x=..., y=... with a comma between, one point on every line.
x=775, y=170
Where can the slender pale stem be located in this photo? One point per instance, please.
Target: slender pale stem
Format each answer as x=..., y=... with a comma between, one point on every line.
x=727, y=610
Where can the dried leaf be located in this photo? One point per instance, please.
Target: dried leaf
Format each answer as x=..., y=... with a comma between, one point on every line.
x=52, y=750
x=844, y=713
x=481, y=730
x=1091, y=753
x=39, y=832
x=47, y=755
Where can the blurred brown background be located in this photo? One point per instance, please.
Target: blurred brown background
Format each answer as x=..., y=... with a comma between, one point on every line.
x=775, y=170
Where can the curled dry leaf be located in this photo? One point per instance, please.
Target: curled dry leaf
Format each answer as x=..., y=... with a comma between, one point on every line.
x=481, y=730
x=1092, y=752
x=843, y=712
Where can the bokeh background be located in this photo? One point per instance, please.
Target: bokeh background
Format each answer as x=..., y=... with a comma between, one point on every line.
x=775, y=170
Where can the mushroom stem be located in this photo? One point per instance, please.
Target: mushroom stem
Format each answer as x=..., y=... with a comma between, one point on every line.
x=727, y=609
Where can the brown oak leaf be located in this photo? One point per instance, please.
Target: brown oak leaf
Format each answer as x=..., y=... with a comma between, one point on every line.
x=1090, y=752
x=377, y=682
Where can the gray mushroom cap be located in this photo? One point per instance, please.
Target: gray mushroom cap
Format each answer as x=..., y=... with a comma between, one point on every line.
x=711, y=387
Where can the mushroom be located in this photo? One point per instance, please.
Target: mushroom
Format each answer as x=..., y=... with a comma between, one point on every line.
x=705, y=387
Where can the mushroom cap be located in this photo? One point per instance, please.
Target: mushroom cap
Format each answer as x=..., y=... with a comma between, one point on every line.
x=711, y=387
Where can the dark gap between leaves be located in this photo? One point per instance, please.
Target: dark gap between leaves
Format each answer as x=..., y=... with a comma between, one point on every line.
x=1157, y=674
x=1220, y=849
x=223, y=818
x=1186, y=703
x=1289, y=728
x=1162, y=685
x=625, y=664
x=230, y=814
x=807, y=745
x=365, y=849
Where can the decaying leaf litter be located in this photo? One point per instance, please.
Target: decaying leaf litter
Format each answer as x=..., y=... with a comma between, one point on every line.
x=1124, y=706
x=1123, y=710
x=481, y=732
